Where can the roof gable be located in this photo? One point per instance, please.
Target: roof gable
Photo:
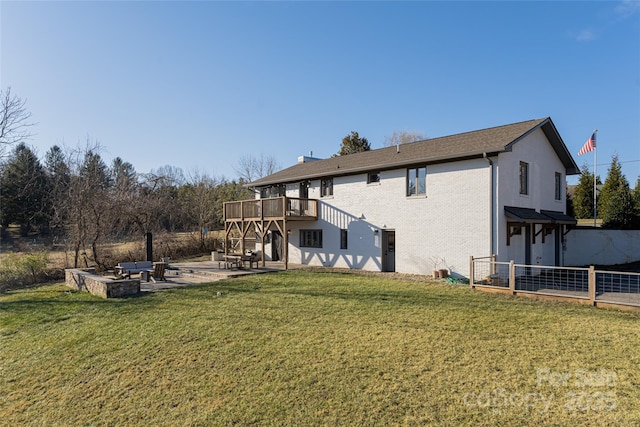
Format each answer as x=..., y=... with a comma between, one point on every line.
x=437, y=150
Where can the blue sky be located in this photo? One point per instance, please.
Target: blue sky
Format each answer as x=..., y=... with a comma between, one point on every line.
x=198, y=85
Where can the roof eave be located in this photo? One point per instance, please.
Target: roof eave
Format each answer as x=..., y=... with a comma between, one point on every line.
x=379, y=167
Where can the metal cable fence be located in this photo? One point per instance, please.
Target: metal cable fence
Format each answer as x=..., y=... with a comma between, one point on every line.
x=490, y=273
x=615, y=287
x=567, y=281
x=618, y=287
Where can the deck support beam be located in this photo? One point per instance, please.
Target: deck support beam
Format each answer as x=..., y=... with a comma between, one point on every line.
x=260, y=215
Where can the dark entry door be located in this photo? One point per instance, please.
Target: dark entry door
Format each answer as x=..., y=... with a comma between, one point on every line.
x=388, y=250
x=304, y=190
x=527, y=246
x=557, y=244
x=277, y=245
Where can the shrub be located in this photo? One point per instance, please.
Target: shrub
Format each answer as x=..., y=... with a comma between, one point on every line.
x=19, y=270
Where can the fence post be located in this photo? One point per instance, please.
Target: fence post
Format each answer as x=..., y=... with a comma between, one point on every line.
x=512, y=276
x=494, y=267
x=592, y=285
x=471, y=281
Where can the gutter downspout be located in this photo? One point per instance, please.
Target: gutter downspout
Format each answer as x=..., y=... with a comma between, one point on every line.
x=492, y=203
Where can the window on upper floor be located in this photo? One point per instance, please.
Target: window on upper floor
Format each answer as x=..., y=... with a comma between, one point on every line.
x=524, y=178
x=310, y=238
x=558, y=186
x=272, y=191
x=373, y=177
x=417, y=181
x=304, y=190
x=326, y=187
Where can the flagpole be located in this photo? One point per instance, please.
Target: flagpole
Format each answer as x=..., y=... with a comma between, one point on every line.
x=595, y=206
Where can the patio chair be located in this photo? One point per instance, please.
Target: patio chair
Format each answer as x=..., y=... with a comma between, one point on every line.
x=158, y=271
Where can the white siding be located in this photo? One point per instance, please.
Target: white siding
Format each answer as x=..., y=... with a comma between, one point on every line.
x=454, y=221
x=543, y=164
x=448, y=225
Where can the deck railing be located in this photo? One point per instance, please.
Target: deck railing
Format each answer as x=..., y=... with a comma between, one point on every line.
x=276, y=207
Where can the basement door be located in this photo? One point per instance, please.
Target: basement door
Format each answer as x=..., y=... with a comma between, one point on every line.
x=277, y=245
x=388, y=250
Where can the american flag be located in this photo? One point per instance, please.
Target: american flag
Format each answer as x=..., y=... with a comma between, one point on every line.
x=588, y=146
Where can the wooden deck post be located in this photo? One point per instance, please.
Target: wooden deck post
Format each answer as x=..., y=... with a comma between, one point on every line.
x=494, y=268
x=286, y=244
x=227, y=230
x=592, y=285
x=512, y=276
x=263, y=233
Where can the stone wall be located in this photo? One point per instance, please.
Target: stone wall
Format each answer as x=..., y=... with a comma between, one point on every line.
x=87, y=280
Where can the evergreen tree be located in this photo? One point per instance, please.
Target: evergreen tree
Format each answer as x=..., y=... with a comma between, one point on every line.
x=569, y=205
x=59, y=179
x=123, y=174
x=24, y=186
x=636, y=204
x=616, y=201
x=353, y=143
x=583, y=195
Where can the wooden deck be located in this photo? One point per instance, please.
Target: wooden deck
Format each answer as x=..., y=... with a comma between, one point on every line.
x=290, y=208
x=246, y=218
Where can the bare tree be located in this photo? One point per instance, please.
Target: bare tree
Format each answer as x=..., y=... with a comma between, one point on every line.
x=14, y=120
x=90, y=203
x=160, y=196
x=251, y=168
x=201, y=198
x=168, y=175
x=403, y=137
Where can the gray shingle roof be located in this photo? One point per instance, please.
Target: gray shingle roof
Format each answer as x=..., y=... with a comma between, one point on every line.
x=437, y=150
x=526, y=215
x=535, y=217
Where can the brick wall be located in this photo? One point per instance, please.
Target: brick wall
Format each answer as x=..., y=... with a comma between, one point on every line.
x=447, y=225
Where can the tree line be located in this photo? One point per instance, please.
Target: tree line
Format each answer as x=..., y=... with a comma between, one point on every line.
x=616, y=204
x=76, y=197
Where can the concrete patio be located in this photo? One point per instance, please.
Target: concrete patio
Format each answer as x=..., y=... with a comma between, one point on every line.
x=180, y=274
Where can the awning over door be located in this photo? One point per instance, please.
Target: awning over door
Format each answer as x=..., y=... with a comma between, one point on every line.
x=548, y=220
x=531, y=216
x=559, y=217
x=526, y=215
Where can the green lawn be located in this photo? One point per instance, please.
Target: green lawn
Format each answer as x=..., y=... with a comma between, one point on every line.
x=303, y=348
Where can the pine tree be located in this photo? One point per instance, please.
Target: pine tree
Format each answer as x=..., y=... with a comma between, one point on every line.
x=616, y=202
x=59, y=179
x=353, y=143
x=23, y=184
x=636, y=204
x=583, y=195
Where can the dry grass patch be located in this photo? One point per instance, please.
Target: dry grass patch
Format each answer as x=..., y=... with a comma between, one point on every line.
x=308, y=348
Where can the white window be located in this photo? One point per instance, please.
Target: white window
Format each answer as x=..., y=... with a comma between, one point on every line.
x=326, y=187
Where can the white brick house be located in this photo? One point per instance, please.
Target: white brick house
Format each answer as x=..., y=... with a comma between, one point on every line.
x=417, y=206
